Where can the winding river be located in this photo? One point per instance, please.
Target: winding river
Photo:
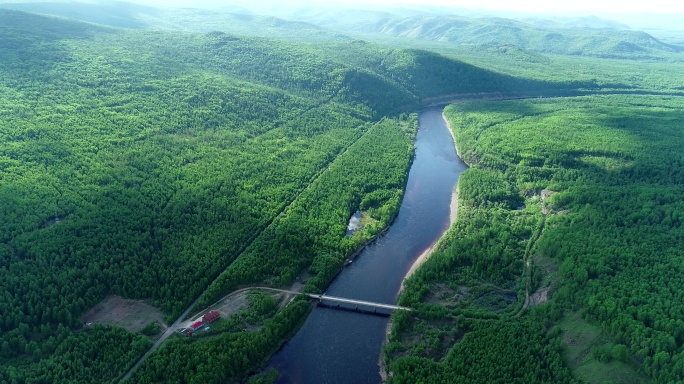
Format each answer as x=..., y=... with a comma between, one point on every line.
x=337, y=346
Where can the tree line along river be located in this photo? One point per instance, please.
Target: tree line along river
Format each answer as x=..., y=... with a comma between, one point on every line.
x=337, y=346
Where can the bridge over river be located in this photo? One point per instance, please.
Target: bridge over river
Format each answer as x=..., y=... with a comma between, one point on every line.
x=359, y=306
x=356, y=303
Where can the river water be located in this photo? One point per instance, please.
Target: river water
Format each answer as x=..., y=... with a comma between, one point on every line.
x=337, y=346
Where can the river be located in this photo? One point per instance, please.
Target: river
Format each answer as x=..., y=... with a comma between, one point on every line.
x=337, y=346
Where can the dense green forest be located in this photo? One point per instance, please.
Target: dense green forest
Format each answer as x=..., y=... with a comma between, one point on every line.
x=579, y=199
x=158, y=155
x=309, y=234
x=144, y=163
x=588, y=50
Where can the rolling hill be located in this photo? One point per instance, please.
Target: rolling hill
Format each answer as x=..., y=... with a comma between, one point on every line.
x=584, y=37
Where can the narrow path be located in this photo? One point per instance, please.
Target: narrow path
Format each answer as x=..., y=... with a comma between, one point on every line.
x=169, y=331
x=177, y=324
x=528, y=265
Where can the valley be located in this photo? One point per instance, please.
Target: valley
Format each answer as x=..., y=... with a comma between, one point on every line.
x=162, y=158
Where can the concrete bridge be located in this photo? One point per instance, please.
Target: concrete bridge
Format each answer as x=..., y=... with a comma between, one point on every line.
x=356, y=303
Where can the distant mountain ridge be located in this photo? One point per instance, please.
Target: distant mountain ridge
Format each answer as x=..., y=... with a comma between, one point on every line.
x=574, y=22
x=134, y=16
x=586, y=36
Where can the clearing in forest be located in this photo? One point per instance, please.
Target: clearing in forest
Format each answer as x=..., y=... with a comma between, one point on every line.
x=133, y=315
x=593, y=357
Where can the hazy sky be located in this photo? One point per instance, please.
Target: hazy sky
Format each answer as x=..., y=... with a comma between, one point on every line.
x=584, y=7
x=598, y=6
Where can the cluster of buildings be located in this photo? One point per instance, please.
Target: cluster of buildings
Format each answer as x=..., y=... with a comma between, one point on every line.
x=208, y=318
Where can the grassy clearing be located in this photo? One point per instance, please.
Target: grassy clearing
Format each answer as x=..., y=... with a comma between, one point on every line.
x=366, y=219
x=584, y=343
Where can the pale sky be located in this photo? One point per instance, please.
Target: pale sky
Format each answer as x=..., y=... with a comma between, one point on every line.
x=546, y=6
x=580, y=7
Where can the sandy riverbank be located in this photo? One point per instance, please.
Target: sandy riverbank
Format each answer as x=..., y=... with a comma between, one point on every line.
x=451, y=131
x=453, y=216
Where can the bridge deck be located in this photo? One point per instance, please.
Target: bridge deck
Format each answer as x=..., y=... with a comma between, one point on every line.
x=358, y=302
x=340, y=299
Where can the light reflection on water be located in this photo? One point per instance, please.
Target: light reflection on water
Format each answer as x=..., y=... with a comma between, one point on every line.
x=353, y=223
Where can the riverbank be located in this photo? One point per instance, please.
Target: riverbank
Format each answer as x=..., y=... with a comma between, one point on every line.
x=378, y=271
x=453, y=216
x=453, y=137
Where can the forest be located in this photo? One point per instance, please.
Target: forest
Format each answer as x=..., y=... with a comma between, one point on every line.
x=144, y=163
x=166, y=160
x=577, y=198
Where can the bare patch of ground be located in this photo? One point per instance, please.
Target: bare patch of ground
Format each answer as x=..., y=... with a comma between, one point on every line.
x=548, y=268
x=230, y=304
x=301, y=280
x=366, y=219
x=133, y=315
x=453, y=206
x=540, y=297
x=359, y=221
x=234, y=302
x=546, y=193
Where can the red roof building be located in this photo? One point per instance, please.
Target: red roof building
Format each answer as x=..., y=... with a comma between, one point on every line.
x=195, y=325
x=210, y=316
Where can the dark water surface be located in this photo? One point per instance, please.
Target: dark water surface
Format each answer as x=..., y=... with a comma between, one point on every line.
x=337, y=346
